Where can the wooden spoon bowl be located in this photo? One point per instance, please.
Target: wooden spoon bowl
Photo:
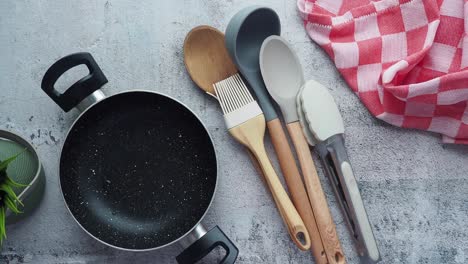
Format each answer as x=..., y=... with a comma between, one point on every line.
x=206, y=58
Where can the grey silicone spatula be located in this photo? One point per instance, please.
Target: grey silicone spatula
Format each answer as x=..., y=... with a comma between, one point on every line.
x=323, y=119
x=283, y=77
x=245, y=34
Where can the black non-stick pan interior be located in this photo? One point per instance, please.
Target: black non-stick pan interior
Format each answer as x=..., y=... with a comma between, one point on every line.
x=138, y=170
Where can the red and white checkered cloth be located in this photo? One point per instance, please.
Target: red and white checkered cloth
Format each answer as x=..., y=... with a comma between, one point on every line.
x=407, y=60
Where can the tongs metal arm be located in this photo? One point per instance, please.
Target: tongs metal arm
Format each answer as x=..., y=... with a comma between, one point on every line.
x=338, y=168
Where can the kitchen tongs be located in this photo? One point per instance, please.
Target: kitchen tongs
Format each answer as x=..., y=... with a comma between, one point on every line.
x=323, y=126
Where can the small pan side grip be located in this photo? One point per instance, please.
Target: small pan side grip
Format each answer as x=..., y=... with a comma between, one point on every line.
x=204, y=245
x=80, y=89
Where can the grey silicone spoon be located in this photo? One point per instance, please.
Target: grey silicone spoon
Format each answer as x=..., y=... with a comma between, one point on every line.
x=283, y=77
x=282, y=74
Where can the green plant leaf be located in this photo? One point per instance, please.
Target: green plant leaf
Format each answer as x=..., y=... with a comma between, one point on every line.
x=4, y=164
x=2, y=225
x=11, y=182
x=9, y=191
x=11, y=205
x=12, y=195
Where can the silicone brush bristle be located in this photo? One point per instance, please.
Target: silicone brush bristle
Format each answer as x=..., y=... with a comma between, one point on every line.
x=232, y=93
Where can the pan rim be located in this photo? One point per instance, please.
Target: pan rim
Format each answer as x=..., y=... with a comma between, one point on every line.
x=212, y=196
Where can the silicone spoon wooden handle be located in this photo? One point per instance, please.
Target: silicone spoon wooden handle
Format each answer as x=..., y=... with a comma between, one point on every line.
x=317, y=198
x=296, y=187
x=250, y=134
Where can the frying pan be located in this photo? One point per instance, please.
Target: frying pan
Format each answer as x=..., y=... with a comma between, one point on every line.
x=138, y=169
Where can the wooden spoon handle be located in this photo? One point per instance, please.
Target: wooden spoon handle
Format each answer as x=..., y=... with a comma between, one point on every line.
x=287, y=210
x=317, y=198
x=296, y=187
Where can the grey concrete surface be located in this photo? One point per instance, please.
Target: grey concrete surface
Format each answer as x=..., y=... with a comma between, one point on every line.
x=415, y=189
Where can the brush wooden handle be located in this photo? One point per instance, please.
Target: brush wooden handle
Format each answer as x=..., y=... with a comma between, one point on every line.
x=296, y=187
x=251, y=134
x=317, y=198
x=287, y=210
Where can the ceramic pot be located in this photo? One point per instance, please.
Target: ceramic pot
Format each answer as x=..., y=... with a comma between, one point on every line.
x=25, y=169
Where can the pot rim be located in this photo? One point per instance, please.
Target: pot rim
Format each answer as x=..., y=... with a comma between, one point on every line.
x=212, y=197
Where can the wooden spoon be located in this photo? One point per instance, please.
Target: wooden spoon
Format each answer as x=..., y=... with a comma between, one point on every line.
x=206, y=58
x=207, y=62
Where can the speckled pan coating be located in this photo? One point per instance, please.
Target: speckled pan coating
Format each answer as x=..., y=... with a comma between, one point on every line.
x=138, y=170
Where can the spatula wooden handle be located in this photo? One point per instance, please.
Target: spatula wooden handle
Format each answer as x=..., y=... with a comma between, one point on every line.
x=317, y=198
x=251, y=134
x=296, y=187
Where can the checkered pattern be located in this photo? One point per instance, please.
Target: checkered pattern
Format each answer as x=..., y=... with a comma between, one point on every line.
x=407, y=60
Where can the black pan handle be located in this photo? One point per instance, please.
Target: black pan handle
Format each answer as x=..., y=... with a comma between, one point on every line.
x=79, y=90
x=204, y=245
